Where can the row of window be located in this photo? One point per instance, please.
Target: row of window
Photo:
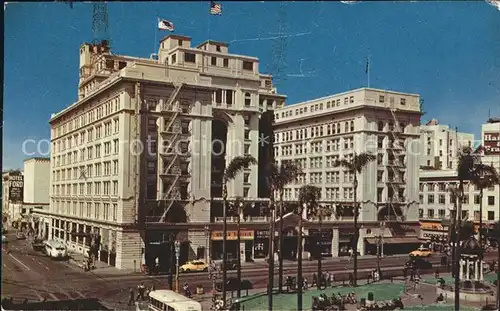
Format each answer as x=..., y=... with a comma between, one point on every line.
x=108, y=107
x=329, y=104
x=190, y=57
x=100, y=169
x=88, y=188
x=90, y=210
x=89, y=153
x=315, y=131
x=441, y=213
x=444, y=187
x=93, y=133
x=446, y=199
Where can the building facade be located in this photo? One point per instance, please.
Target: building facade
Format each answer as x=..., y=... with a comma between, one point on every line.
x=440, y=145
x=137, y=162
x=36, y=191
x=318, y=132
x=12, y=195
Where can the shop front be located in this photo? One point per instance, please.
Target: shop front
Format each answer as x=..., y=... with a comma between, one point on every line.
x=430, y=231
x=245, y=248
x=261, y=244
x=319, y=241
x=346, y=241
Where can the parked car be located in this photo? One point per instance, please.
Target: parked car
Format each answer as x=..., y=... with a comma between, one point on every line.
x=232, y=284
x=194, y=266
x=20, y=235
x=418, y=263
x=38, y=244
x=4, y=239
x=421, y=252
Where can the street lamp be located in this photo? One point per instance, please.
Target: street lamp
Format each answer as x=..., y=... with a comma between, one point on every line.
x=177, y=246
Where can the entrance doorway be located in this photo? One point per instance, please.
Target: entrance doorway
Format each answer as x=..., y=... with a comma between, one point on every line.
x=290, y=243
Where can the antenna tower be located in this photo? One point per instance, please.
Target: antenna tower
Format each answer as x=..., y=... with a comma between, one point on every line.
x=280, y=46
x=100, y=22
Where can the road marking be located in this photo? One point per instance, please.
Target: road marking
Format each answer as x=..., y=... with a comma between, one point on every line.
x=41, y=264
x=20, y=262
x=53, y=296
x=80, y=294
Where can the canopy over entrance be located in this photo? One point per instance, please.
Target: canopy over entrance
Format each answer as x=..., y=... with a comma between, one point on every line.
x=290, y=220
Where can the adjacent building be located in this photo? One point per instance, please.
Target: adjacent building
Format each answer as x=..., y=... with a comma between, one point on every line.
x=384, y=123
x=138, y=161
x=12, y=194
x=36, y=190
x=440, y=145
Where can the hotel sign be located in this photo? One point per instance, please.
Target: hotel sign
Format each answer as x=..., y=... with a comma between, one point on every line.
x=233, y=235
x=491, y=143
x=16, y=188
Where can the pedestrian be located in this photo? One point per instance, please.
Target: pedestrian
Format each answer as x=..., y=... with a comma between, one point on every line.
x=131, y=299
x=140, y=291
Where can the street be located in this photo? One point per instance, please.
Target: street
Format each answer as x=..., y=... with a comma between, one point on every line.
x=31, y=275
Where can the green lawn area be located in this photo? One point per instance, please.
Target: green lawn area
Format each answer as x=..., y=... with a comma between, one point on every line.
x=438, y=307
x=289, y=301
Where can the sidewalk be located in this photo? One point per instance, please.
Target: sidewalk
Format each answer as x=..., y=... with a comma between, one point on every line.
x=101, y=268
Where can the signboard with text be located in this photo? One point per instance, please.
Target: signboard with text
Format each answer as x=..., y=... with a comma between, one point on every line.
x=491, y=143
x=233, y=235
x=16, y=188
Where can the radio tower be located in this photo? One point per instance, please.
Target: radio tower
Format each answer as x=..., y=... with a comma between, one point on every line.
x=280, y=45
x=100, y=22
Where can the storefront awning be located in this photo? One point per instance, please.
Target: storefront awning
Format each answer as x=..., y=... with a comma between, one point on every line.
x=395, y=240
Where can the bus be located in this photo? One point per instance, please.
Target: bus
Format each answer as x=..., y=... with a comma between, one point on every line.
x=167, y=300
x=55, y=249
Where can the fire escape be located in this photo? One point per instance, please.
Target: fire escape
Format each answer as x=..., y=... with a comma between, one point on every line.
x=396, y=168
x=171, y=151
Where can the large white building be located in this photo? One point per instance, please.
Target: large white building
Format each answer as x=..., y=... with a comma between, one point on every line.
x=36, y=188
x=384, y=123
x=129, y=206
x=440, y=145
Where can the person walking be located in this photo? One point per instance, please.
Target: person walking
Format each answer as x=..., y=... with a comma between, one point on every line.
x=140, y=291
x=131, y=299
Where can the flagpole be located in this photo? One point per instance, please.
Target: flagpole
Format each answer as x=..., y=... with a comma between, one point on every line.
x=156, y=35
x=368, y=70
x=208, y=17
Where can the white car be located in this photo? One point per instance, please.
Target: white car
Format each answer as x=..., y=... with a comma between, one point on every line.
x=4, y=239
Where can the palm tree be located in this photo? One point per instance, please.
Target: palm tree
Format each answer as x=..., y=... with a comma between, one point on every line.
x=279, y=177
x=484, y=176
x=320, y=211
x=467, y=160
x=355, y=166
x=453, y=215
x=234, y=167
x=309, y=196
x=238, y=204
x=495, y=236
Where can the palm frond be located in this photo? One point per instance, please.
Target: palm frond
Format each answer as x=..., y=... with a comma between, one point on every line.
x=362, y=159
x=237, y=165
x=454, y=193
x=467, y=159
x=345, y=164
x=484, y=176
x=309, y=194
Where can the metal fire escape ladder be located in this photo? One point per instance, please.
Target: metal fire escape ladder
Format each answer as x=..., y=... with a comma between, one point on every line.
x=170, y=154
x=396, y=149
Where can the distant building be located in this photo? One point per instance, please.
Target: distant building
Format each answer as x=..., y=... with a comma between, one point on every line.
x=36, y=188
x=384, y=123
x=439, y=145
x=12, y=194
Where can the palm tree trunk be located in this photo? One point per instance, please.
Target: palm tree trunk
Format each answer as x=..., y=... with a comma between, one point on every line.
x=224, y=247
x=356, y=231
x=238, y=253
x=480, y=217
x=498, y=273
x=320, y=273
x=270, y=280
x=300, y=284
x=280, y=235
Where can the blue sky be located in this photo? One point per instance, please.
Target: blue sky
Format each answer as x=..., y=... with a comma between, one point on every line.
x=447, y=52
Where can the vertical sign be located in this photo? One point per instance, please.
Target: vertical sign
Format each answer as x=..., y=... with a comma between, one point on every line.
x=16, y=188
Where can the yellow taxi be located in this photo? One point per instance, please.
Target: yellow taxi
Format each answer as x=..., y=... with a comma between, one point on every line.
x=194, y=266
x=421, y=252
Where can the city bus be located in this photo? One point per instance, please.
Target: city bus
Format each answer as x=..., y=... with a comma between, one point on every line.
x=167, y=300
x=55, y=249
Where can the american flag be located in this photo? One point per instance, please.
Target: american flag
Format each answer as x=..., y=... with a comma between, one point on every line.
x=215, y=8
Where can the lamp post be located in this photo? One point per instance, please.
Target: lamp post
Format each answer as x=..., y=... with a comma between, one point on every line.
x=177, y=246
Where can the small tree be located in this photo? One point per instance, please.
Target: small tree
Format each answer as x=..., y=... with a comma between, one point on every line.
x=309, y=196
x=280, y=176
x=355, y=166
x=320, y=211
x=483, y=176
x=236, y=166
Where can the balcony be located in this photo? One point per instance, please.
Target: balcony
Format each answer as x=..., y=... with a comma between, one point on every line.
x=244, y=219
